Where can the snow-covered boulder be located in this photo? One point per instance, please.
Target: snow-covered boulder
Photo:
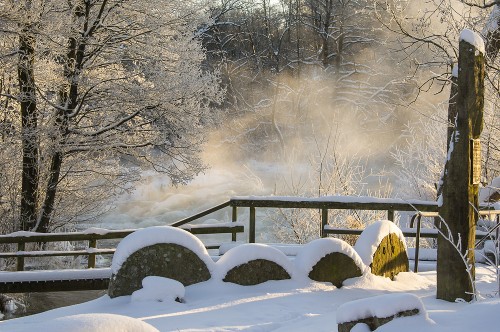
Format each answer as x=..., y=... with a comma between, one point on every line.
x=158, y=251
x=378, y=310
x=382, y=247
x=252, y=264
x=329, y=260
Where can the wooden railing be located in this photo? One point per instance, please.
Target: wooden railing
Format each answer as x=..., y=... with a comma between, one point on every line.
x=323, y=204
x=91, y=236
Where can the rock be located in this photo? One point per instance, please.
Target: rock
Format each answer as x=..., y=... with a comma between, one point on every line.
x=335, y=268
x=164, y=260
x=376, y=311
x=390, y=258
x=255, y=272
x=375, y=322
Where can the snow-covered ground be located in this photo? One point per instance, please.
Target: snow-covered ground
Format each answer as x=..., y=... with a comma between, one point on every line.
x=289, y=305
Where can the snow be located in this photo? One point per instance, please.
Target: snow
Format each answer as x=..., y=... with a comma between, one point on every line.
x=454, y=71
x=159, y=289
x=286, y=305
x=381, y=306
x=96, y=230
x=361, y=327
x=368, y=241
x=213, y=224
x=473, y=38
x=486, y=192
x=158, y=234
x=67, y=274
x=336, y=198
x=315, y=250
x=251, y=251
x=88, y=323
x=287, y=249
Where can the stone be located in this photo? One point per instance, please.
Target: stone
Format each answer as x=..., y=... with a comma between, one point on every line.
x=373, y=312
x=335, y=268
x=255, y=272
x=390, y=258
x=375, y=322
x=164, y=260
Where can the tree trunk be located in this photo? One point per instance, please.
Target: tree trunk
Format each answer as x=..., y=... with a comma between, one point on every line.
x=50, y=193
x=455, y=277
x=68, y=101
x=30, y=177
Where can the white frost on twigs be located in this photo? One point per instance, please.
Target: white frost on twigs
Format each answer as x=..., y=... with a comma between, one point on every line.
x=473, y=38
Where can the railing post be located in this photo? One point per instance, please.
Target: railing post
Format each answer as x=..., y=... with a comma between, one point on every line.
x=21, y=246
x=324, y=221
x=417, y=243
x=251, y=231
x=390, y=215
x=91, y=259
x=234, y=218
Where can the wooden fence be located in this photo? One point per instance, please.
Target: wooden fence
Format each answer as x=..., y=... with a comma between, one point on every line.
x=323, y=204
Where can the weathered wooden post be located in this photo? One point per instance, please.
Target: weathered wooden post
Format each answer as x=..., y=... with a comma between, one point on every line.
x=458, y=202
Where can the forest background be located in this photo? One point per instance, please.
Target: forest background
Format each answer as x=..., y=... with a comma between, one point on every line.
x=349, y=97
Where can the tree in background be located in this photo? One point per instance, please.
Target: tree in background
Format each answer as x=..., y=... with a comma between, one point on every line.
x=427, y=36
x=290, y=65
x=90, y=90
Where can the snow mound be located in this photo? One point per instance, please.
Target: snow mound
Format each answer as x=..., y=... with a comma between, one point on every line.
x=89, y=323
x=361, y=327
x=315, y=250
x=372, y=236
x=381, y=306
x=159, y=289
x=488, y=192
x=473, y=38
x=158, y=234
x=252, y=251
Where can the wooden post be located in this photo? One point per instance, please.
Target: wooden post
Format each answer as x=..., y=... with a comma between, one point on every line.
x=417, y=243
x=324, y=221
x=234, y=218
x=91, y=260
x=458, y=204
x=251, y=231
x=21, y=246
x=390, y=215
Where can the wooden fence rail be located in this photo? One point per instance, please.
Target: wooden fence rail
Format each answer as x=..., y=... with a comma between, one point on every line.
x=323, y=204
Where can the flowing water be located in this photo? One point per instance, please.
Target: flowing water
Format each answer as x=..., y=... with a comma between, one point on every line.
x=40, y=302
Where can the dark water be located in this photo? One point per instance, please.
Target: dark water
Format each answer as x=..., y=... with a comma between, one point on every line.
x=40, y=302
